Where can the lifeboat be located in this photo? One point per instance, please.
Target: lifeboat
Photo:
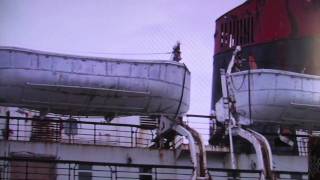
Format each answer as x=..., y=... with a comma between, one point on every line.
x=80, y=85
x=275, y=96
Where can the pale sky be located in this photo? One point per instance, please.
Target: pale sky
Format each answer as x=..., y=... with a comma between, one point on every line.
x=121, y=26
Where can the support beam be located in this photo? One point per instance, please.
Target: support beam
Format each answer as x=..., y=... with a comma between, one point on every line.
x=197, y=151
x=262, y=149
x=267, y=153
x=192, y=148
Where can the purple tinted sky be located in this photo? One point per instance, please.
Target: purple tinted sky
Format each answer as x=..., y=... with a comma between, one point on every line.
x=129, y=26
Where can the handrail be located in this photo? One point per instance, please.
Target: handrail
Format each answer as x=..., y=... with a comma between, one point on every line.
x=79, y=122
x=75, y=132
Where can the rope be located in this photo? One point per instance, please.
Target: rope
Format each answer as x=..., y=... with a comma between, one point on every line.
x=182, y=92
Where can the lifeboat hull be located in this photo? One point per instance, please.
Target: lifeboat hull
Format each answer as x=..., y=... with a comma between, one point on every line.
x=276, y=96
x=78, y=85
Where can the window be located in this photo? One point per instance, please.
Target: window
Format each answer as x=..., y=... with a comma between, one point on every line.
x=85, y=172
x=85, y=175
x=145, y=173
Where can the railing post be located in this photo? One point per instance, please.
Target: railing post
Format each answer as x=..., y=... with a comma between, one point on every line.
x=26, y=176
x=94, y=133
x=7, y=129
x=18, y=124
x=69, y=171
x=69, y=133
x=131, y=136
x=74, y=171
x=116, y=172
x=137, y=140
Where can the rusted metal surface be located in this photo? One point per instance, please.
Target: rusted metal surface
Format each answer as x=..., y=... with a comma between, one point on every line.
x=33, y=170
x=266, y=153
x=49, y=130
x=45, y=130
x=77, y=85
x=202, y=156
x=262, y=21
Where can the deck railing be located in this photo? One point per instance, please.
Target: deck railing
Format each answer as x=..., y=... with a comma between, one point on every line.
x=74, y=132
x=28, y=168
x=300, y=138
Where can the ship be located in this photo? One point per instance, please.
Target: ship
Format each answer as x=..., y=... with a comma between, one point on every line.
x=266, y=76
x=263, y=121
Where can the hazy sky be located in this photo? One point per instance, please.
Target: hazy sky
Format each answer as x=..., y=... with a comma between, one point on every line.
x=121, y=26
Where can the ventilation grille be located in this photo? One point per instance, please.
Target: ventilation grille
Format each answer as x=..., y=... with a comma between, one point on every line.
x=148, y=122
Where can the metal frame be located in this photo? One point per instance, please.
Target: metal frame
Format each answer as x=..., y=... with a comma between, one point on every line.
x=127, y=134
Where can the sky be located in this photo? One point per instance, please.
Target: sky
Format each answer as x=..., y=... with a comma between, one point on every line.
x=100, y=27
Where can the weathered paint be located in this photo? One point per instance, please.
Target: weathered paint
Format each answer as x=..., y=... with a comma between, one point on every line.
x=77, y=85
x=277, y=34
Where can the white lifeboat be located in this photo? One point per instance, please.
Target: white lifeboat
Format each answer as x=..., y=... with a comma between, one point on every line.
x=275, y=96
x=79, y=85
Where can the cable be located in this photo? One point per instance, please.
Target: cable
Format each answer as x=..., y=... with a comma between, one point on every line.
x=249, y=95
x=153, y=53
x=241, y=84
x=182, y=92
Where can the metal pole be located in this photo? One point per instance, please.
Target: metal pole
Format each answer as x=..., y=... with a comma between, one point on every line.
x=131, y=136
x=152, y=136
x=69, y=171
x=69, y=134
x=139, y=141
x=155, y=173
x=201, y=116
x=7, y=130
x=94, y=133
x=116, y=173
x=249, y=136
x=192, y=148
x=26, y=176
x=18, y=129
x=74, y=171
x=232, y=156
x=267, y=153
